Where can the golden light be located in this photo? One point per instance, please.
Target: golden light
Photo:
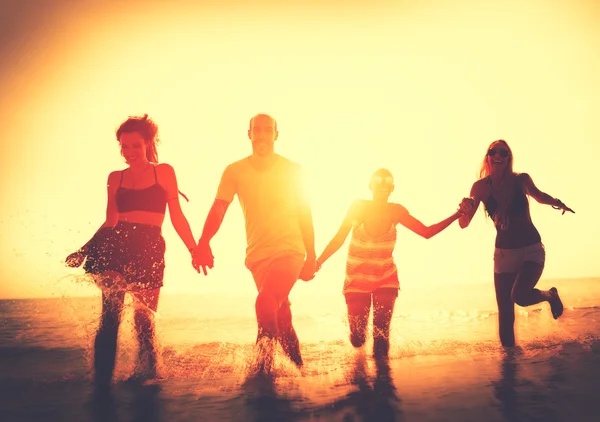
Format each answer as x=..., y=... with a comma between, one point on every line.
x=418, y=89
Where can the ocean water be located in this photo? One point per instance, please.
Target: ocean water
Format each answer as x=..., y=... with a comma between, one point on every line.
x=445, y=361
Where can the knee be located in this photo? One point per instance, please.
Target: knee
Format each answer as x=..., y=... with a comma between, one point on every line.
x=519, y=297
x=381, y=332
x=357, y=338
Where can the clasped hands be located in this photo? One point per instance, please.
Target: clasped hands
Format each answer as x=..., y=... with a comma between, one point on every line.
x=466, y=205
x=202, y=257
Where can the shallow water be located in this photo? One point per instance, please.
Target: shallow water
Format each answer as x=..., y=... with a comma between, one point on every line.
x=445, y=363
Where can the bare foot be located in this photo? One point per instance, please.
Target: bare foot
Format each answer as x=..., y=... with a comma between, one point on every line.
x=556, y=305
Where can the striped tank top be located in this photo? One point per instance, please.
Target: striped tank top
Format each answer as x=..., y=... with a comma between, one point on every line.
x=370, y=264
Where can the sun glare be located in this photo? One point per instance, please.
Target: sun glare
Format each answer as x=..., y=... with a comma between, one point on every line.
x=409, y=91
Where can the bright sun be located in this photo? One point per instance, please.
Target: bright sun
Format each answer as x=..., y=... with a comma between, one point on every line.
x=405, y=90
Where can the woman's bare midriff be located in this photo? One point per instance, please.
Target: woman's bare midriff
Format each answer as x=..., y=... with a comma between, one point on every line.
x=143, y=217
x=520, y=233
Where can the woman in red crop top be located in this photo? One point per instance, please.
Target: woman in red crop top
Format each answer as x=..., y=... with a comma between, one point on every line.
x=519, y=256
x=126, y=255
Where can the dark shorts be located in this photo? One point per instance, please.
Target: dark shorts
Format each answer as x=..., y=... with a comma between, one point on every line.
x=136, y=251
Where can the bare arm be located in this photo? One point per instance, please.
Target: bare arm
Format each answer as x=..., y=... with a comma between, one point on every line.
x=340, y=237
x=225, y=193
x=543, y=198
x=305, y=219
x=422, y=230
x=305, y=222
x=112, y=216
x=180, y=223
x=213, y=221
x=307, y=229
x=202, y=255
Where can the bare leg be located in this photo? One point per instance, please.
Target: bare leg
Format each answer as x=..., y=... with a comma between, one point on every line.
x=146, y=303
x=275, y=286
x=287, y=335
x=105, y=344
x=266, y=307
x=524, y=292
x=359, y=307
x=383, y=308
x=503, y=282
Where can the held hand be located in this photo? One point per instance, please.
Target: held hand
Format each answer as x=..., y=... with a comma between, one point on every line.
x=75, y=259
x=308, y=270
x=318, y=265
x=466, y=206
x=202, y=257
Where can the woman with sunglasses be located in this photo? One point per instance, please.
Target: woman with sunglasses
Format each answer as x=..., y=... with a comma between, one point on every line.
x=519, y=255
x=371, y=274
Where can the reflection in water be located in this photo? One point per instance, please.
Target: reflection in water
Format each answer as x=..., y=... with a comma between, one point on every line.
x=523, y=399
x=262, y=401
x=378, y=401
x=140, y=404
x=103, y=407
x=145, y=403
x=505, y=388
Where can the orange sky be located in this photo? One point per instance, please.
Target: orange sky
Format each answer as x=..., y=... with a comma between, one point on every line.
x=419, y=87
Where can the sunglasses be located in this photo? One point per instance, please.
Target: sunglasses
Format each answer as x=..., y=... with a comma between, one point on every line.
x=388, y=180
x=503, y=152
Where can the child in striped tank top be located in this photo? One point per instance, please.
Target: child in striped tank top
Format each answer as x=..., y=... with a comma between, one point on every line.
x=371, y=274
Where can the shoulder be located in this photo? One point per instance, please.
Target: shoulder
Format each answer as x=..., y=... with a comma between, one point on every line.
x=235, y=170
x=484, y=181
x=358, y=206
x=114, y=180
x=289, y=164
x=242, y=162
x=237, y=166
x=164, y=167
x=115, y=176
x=479, y=187
x=524, y=181
x=356, y=211
x=164, y=170
x=398, y=209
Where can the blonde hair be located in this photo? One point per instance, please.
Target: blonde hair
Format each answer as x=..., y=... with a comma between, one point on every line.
x=486, y=168
x=505, y=194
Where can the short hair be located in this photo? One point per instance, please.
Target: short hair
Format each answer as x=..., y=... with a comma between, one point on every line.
x=263, y=115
